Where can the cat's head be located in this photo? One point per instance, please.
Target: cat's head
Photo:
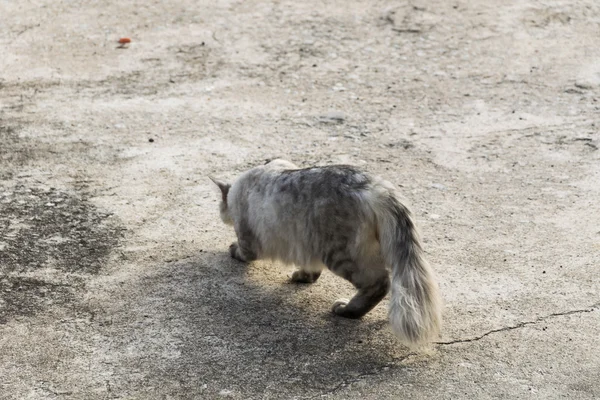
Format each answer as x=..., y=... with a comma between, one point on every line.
x=223, y=207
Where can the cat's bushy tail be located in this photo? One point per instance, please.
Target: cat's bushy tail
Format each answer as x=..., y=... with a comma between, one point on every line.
x=415, y=306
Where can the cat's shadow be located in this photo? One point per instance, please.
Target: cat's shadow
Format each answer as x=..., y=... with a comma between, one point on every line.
x=248, y=328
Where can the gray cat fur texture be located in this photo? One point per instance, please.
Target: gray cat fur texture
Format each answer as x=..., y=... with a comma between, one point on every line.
x=346, y=220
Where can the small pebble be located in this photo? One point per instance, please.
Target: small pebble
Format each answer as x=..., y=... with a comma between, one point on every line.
x=438, y=186
x=333, y=117
x=151, y=140
x=582, y=84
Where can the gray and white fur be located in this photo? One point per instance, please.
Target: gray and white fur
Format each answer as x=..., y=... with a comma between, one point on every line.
x=343, y=219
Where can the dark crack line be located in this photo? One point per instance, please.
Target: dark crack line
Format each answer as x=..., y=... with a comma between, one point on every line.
x=22, y=31
x=349, y=381
x=57, y=392
x=520, y=325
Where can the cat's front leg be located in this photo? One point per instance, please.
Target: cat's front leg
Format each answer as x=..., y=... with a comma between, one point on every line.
x=241, y=253
x=246, y=248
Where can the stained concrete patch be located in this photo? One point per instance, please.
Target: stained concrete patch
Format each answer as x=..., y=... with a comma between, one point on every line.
x=21, y=296
x=20, y=150
x=48, y=228
x=10, y=155
x=48, y=232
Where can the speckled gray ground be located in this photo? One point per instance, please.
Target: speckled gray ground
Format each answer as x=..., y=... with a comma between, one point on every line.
x=114, y=276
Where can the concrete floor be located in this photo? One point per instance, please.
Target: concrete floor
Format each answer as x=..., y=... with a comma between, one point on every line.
x=115, y=282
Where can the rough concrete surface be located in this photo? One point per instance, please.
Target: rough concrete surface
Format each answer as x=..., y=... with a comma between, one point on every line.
x=115, y=282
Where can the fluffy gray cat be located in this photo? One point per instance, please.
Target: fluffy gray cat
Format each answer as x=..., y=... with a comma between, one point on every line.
x=343, y=219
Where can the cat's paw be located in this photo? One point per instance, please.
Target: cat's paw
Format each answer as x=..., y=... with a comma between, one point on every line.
x=340, y=306
x=234, y=252
x=304, y=277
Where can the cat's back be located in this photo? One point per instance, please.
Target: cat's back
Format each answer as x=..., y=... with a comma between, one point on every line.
x=287, y=191
x=322, y=182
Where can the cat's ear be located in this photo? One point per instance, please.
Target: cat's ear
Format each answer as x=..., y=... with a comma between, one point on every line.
x=223, y=186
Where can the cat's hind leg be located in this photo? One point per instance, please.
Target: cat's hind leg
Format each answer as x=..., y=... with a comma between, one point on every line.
x=372, y=282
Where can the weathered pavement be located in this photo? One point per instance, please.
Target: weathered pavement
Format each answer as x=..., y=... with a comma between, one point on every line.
x=114, y=275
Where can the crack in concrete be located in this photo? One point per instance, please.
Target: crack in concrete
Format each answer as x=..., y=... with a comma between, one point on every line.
x=349, y=381
x=521, y=324
x=56, y=392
